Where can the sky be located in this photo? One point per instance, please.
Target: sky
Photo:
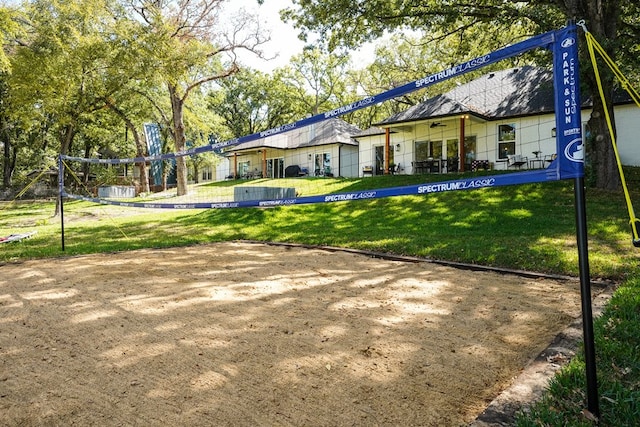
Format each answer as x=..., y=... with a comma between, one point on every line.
x=284, y=38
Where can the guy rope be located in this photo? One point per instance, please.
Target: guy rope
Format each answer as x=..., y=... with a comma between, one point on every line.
x=594, y=47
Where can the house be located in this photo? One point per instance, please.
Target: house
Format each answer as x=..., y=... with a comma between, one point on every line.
x=323, y=149
x=502, y=120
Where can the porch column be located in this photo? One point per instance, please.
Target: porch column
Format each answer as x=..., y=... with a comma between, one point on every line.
x=264, y=163
x=461, y=148
x=387, y=143
x=235, y=165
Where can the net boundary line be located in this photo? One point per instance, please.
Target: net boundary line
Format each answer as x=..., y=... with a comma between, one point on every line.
x=474, y=183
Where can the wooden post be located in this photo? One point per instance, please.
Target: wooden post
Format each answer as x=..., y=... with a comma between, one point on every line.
x=235, y=165
x=264, y=163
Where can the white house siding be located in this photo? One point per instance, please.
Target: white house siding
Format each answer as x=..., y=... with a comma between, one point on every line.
x=222, y=170
x=303, y=157
x=348, y=161
x=627, y=119
x=367, y=146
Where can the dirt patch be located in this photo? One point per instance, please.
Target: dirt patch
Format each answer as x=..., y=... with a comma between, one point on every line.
x=241, y=334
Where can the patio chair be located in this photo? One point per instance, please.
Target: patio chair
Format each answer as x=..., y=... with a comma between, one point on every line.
x=516, y=160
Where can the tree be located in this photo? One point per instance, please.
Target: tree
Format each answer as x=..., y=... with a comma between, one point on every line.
x=60, y=66
x=54, y=64
x=317, y=77
x=9, y=30
x=77, y=63
x=613, y=22
x=194, y=47
x=251, y=102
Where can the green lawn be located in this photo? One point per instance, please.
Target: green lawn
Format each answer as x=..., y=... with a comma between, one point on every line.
x=527, y=227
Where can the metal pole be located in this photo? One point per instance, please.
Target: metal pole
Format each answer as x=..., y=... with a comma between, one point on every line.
x=585, y=292
x=60, y=198
x=62, y=221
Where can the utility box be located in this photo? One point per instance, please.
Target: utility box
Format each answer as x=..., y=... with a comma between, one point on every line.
x=117, y=192
x=242, y=194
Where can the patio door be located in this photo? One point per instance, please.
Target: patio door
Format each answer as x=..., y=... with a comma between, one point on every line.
x=322, y=164
x=453, y=159
x=469, y=151
x=379, y=157
x=275, y=168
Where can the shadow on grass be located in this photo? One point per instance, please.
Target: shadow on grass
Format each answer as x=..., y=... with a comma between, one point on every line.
x=529, y=227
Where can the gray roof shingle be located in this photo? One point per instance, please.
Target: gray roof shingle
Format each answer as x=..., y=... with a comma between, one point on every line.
x=331, y=131
x=508, y=93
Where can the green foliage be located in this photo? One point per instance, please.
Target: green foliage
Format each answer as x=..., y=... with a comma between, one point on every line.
x=345, y=25
x=105, y=175
x=317, y=79
x=9, y=29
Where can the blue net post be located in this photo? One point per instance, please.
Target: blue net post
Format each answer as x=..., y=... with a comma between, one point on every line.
x=571, y=151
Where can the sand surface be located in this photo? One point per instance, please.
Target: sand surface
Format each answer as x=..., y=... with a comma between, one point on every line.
x=245, y=334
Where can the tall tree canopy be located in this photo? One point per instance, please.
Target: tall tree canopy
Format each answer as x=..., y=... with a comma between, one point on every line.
x=194, y=46
x=251, y=102
x=8, y=29
x=614, y=23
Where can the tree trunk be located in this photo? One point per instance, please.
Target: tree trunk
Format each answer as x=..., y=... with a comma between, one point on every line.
x=86, y=166
x=141, y=151
x=141, y=148
x=196, y=173
x=177, y=105
x=602, y=18
x=9, y=160
x=602, y=167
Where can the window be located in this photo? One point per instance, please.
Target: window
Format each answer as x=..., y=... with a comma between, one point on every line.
x=428, y=150
x=452, y=148
x=207, y=174
x=435, y=149
x=421, y=150
x=506, y=141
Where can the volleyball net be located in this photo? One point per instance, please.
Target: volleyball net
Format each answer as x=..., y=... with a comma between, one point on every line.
x=507, y=126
